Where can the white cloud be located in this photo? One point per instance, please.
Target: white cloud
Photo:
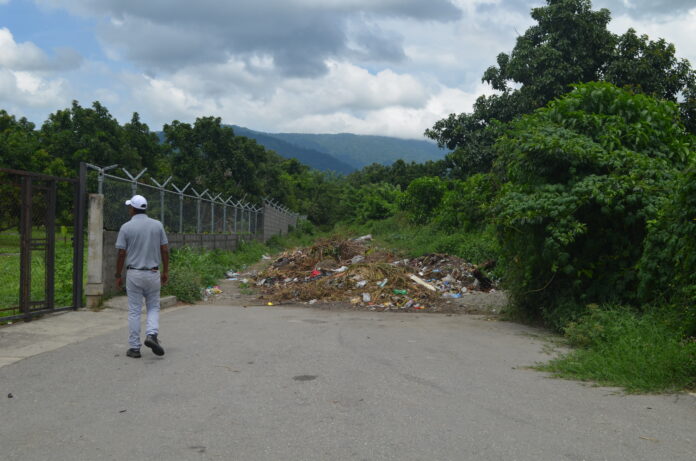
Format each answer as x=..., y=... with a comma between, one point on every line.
x=679, y=30
x=26, y=79
x=365, y=66
x=27, y=56
x=347, y=99
x=19, y=90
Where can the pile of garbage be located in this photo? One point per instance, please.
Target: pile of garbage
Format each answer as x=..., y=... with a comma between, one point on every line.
x=353, y=270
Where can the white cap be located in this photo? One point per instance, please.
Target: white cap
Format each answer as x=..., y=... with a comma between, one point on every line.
x=138, y=202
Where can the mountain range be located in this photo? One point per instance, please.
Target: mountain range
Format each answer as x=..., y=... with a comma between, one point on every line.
x=343, y=152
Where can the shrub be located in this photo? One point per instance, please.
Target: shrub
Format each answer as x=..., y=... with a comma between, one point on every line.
x=466, y=204
x=586, y=174
x=668, y=266
x=422, y=198
x=376, y=201
x=184, y=283
x=620, y=347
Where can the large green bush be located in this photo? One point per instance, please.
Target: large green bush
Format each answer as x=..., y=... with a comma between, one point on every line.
x=376, y=201
x=585, y=176
x=668, y=267
x=466, y=204
x=422, y=198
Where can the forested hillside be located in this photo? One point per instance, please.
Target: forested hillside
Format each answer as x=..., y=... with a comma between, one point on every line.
x=306, y=155
x=363, y=150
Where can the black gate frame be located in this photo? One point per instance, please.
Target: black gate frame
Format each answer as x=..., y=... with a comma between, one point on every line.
x=28, y=308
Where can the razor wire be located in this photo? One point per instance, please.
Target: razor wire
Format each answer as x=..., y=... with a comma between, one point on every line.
x=186, y=210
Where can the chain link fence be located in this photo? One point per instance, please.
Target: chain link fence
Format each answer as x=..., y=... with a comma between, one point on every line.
x=184, y=210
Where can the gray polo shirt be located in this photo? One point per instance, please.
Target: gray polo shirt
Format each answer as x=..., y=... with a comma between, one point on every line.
x=142, y=237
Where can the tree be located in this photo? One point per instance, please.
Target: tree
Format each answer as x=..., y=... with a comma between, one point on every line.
x=586, y=174
x=568, y=44
x=90, y=135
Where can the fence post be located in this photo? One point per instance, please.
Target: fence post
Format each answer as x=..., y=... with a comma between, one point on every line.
x=100, y=177
x=78, y=236
x=181, y=206
x=224, y=214
x=248, y=208
x=236, y=216
x=161, y=189
x=199, y=197
x=134, y=180
x=95, y=252
x=212, y=212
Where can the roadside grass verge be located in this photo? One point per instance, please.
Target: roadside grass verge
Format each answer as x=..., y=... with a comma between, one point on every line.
x=643, y=353
x=397, y=233
x=190, y=271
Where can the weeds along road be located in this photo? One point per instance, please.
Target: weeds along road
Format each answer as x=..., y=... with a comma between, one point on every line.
x=271, y=383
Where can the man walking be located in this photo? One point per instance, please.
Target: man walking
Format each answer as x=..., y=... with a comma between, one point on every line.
x=142, y=245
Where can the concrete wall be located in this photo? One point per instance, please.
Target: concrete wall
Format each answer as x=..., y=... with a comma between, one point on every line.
x=102, y=255
x=276, y=222
x=197, y=241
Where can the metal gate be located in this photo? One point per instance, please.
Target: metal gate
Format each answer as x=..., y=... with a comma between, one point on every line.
x=42, y=221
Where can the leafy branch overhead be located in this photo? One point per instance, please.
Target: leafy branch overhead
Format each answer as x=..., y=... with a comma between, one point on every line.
x=568, y=44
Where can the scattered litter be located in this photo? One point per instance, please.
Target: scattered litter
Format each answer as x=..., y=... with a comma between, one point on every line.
x=356, y=271
x=266, y=257
x=422, y=282
x=232, y=274
x=210, y=291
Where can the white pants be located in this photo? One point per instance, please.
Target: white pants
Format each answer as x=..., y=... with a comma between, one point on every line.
x=139, y=285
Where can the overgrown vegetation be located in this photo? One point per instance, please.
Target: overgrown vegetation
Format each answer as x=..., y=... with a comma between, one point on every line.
x=618, y=346
x=584, y=194
x=191, y=270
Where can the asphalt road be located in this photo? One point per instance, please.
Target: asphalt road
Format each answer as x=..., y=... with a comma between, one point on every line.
x=278, y=383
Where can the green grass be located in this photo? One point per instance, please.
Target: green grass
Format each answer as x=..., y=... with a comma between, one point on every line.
x=192, y=270
x=416, y=240
x=639, y=352
x=10, y=271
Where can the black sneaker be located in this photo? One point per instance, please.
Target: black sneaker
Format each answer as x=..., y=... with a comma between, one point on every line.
x=135, y=353
x=152, y=343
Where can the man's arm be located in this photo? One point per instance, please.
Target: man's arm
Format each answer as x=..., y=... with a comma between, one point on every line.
x=164, y=251
x=119, y=268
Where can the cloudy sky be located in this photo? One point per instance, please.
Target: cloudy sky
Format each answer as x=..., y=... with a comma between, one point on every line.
x=390, y=67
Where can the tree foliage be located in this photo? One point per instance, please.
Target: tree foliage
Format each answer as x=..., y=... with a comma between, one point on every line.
x=422, y=198
x=668, y=266
x=569, y=43
x=584, y=177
